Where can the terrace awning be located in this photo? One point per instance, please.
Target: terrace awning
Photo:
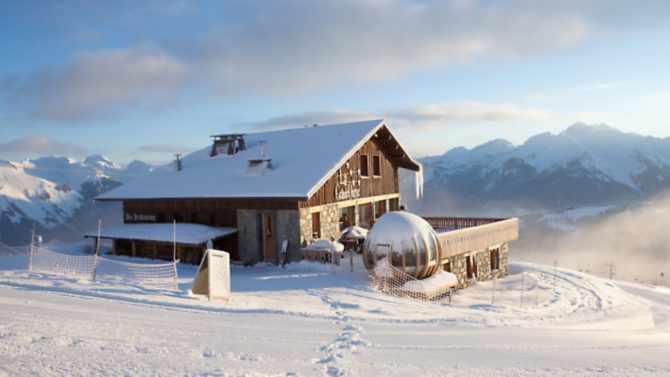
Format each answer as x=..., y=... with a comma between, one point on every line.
x=186, y=233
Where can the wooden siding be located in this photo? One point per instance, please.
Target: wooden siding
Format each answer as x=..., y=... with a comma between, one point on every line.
x=213, y=212
x=387, y=183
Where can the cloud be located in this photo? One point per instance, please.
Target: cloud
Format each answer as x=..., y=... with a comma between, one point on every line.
x=310, y=118
x=39, y=145
x=241, y=48
x=302, y=45
x=429, y=116
x=164, y=148
x=601, y=86
x=467, y=112
x=94, y=82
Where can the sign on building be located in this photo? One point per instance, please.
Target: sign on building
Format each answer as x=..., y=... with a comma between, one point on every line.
x=213, y=277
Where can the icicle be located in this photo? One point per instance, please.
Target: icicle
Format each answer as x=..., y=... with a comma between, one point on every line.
x=418, y=182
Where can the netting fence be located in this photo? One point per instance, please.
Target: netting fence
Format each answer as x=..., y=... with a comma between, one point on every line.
x=94, y=267
x=390, y=280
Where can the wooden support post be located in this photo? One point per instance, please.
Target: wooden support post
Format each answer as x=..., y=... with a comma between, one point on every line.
x=96, y=245
x=134, y=248
x=155, y=251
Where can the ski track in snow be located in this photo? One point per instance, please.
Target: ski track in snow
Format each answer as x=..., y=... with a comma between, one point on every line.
x=310, y=319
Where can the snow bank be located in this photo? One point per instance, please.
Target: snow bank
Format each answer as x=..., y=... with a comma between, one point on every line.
x=440, y=280
x=354, y=232
x=333, y=246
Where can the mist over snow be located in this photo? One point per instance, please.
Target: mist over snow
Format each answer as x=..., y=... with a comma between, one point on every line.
x=636, y=240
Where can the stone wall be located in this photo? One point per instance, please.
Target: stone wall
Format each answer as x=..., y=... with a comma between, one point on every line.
x=305, y=226
x=330, y=222
x=329, y=217
x=249, y=235
x=287, y=227
x=482, y=259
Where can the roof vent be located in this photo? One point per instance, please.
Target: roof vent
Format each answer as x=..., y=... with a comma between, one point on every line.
x=259, y=166
x=177, y=161
x=227, y=144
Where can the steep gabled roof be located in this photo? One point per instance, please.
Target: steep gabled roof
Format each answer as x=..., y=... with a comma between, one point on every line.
x=302, y=159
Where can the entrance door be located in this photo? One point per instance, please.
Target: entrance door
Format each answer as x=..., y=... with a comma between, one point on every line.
x=269, y=241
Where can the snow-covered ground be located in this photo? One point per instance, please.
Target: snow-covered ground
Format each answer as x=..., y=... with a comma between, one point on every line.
x=311, y=319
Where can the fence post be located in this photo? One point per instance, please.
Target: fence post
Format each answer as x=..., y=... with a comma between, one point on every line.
x=97, y=250
x=32, y=245
x=493, y=290
x=521, y=299
x=174, y=253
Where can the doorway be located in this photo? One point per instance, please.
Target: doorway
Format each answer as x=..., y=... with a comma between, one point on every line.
x=269, y=238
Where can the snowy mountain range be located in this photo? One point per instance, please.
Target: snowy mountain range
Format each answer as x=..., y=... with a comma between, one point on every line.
x=585, y=165
x=57, y=193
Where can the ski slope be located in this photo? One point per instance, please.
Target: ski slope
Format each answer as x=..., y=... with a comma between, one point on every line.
x=311, y=319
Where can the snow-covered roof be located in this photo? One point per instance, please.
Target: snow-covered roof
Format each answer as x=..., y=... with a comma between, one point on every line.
x=302, y=160
x=192, y=234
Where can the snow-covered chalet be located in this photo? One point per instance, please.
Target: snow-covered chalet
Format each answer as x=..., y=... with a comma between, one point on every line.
x=248, y=193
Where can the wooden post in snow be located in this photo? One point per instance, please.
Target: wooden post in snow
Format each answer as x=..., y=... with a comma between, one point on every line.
x=521, y=299
x=30, y=252
x=97, y=251
x=174, y=252
x=493, y=290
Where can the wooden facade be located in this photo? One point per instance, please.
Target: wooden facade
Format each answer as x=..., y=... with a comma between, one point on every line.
x=386, y=182
x=212, y=212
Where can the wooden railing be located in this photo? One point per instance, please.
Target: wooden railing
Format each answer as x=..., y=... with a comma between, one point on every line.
x=480, y=234
x=459, y=222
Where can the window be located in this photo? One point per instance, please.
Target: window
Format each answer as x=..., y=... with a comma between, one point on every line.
x=316, y=225
x=365, y=215
x=345, y=219
x=393, y=204
x=495, y=259
x=376, y=166
x=364, y=166
x=380, y=208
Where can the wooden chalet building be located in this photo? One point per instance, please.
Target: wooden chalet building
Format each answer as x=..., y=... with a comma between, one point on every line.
x=247, y=193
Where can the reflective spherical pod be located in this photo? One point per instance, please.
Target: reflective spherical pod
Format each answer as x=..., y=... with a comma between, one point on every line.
x=407, y=240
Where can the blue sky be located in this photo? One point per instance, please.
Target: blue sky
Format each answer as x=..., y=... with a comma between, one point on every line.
x=143, y=80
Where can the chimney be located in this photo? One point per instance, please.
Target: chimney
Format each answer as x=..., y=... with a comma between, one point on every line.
x=227, y=144
x=177, y=161
x=259, y=166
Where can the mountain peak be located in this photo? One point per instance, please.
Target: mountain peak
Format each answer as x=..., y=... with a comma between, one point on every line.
x=580, y=129
x=100, y=161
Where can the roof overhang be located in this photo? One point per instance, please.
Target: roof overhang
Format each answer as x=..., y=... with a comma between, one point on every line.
x=186, y=233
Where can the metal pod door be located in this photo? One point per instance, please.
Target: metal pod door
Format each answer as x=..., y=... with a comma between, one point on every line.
x=269, y=238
